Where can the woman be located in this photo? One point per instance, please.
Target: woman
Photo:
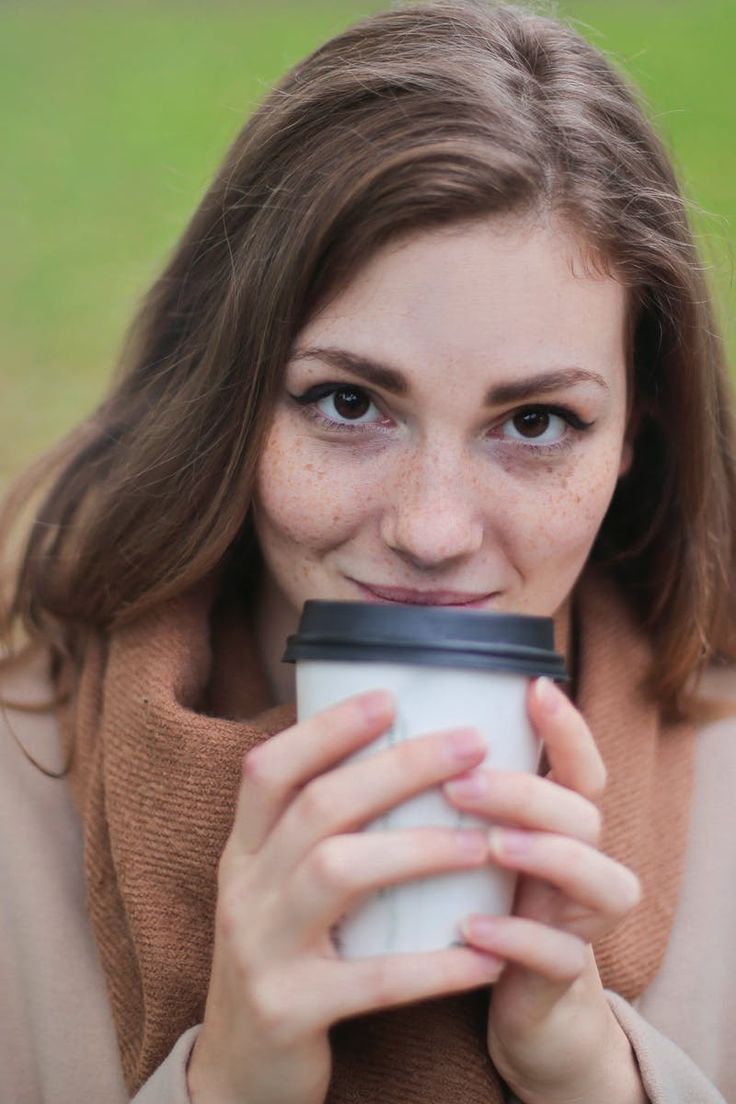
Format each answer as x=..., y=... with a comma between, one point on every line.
x=438, y=333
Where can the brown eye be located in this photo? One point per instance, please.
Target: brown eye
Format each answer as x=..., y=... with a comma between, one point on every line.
x=531, y=423
x=351, y=402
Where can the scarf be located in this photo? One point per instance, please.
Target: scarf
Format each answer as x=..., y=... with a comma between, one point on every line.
x=159, y=737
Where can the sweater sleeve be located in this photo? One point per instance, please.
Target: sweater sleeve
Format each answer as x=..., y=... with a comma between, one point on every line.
x=168, y=1085
x=668, y=1074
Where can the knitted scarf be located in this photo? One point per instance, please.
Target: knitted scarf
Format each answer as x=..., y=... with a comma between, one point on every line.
x=162, y=714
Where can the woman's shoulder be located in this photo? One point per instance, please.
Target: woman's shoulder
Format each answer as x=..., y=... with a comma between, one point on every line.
x=48, y=961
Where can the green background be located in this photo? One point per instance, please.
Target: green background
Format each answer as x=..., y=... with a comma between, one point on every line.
x=113, y=118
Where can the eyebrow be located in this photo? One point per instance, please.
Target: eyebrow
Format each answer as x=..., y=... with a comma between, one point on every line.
x=380, y=375
x=392, y=380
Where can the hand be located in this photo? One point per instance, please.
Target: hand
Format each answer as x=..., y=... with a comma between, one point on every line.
x=293, y=865
x=551, y=1033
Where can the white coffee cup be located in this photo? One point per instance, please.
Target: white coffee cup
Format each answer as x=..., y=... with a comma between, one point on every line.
x=445, y=669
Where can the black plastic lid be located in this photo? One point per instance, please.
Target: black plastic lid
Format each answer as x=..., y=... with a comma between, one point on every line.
x=426, y=635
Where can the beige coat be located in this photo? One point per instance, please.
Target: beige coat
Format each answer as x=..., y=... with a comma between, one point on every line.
x=57, y=1042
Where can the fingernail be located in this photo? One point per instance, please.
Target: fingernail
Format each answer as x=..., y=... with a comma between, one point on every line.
x=465, y=743
x=467, y=786
x=507, y=842
x=377, y=705
x=548, y=696
x=481, y=928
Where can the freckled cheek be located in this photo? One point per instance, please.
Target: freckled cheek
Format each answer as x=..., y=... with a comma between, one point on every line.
x=305, y=498
x=563, y=521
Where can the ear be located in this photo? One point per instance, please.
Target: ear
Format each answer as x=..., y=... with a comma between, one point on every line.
x=627, y=448
x=627, y=457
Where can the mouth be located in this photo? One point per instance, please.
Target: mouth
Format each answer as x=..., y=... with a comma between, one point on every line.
x=407, y=597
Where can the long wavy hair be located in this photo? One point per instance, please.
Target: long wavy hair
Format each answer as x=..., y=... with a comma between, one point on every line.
x=422, y=116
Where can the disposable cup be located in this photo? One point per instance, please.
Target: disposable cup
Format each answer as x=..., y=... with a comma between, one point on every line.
x=444, y=668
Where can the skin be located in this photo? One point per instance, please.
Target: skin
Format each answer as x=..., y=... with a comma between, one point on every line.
x=437, y=490
x=444, y=491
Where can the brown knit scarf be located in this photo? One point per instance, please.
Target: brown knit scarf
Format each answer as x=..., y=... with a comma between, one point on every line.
x=156, y=771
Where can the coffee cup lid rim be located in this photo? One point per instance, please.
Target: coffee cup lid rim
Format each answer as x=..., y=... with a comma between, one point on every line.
x=427, y=636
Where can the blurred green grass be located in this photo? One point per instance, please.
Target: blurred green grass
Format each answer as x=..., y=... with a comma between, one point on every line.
x=114, y=117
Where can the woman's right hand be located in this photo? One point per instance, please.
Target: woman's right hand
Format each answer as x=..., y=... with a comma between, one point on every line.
x=295, y=862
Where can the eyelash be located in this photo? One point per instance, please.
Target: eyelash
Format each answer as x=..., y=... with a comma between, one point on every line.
x=309, y=398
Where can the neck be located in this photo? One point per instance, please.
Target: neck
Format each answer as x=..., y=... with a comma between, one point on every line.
x=275, y=619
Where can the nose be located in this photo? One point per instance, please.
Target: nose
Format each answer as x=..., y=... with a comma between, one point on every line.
x=433, y=518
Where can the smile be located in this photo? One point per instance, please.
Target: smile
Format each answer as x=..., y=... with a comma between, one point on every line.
x=409, y=597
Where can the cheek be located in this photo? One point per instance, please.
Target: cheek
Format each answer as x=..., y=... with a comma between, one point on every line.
x=555, y=530
x=575, y=507
x=301, y=498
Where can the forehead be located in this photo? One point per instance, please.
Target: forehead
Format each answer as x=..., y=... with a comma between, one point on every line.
x=504, y=295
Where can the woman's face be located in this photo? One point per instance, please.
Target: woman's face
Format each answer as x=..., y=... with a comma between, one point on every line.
x=451, y=427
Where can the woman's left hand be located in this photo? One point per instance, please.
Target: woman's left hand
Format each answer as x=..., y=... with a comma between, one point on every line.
x=551, y=1033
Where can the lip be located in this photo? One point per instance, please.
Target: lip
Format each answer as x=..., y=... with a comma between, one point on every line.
x=406, y=597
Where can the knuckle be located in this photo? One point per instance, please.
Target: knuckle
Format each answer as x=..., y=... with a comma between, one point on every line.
x=225, y=872
x=330, y=867
x=317, y=803
x=598, y=784
x=594, y=823
x=571, y=962
x=630, y=892
x=229, y=911
x=556, y=850
x=571, y=859
x=269, y=1007
x=257, y=769
x=232, y=866
x=526, y=787
x=622, y=892
x=234, y=889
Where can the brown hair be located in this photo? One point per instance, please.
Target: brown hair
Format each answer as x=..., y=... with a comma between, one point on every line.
x=421, y=116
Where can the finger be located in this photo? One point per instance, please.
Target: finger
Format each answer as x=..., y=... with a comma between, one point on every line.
x=542, y=962
x=387, y=981
x=279, y=766
x=586, y=876
x=568, y=742
x=359, y=791
x=556, y=955
x=527, y=801
x=342, y=869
